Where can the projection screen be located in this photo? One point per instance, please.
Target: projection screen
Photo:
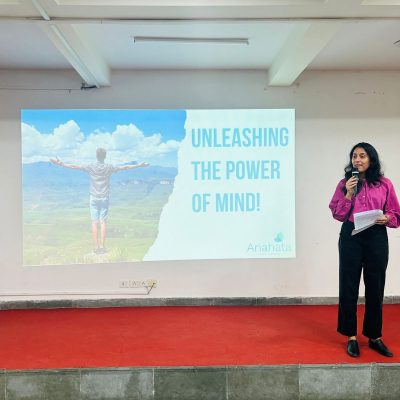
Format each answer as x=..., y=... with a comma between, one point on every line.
x=103, y=186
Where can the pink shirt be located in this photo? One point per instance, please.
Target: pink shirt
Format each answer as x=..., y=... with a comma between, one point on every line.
x=378, y=197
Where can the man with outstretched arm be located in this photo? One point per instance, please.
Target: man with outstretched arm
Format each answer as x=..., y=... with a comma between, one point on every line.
x=100, y=174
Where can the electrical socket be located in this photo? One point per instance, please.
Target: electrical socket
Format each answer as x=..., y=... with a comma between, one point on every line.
x=130, y=283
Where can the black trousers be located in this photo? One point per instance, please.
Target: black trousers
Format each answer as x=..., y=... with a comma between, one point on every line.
x=366, y=252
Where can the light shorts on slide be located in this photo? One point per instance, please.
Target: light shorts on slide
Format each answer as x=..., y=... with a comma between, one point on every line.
x=99, y=208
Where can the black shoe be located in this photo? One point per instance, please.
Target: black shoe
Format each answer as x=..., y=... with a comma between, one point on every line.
x=379, y=346
x=352, y=348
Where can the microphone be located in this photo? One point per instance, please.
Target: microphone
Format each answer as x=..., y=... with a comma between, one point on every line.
x=355, y=173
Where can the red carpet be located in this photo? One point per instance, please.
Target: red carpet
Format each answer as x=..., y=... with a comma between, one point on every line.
x=182, y=336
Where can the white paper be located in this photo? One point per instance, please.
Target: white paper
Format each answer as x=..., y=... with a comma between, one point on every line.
x=364, y=220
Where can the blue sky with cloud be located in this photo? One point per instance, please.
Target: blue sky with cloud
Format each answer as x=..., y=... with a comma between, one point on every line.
x=128, y=135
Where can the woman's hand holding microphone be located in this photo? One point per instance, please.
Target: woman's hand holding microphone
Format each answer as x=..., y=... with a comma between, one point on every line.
x=351, y=184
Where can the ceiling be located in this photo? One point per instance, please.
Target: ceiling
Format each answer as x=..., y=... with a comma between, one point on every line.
x=284, y=38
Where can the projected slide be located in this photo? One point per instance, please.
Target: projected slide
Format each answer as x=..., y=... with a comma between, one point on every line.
x=135, y=185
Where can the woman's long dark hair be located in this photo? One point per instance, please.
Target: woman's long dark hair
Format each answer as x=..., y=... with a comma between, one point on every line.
x=373, y=173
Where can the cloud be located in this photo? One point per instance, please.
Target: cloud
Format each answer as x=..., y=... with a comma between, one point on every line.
x=67, y=142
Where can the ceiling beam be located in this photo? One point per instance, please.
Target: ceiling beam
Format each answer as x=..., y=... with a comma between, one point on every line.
x=41, y=10
x=77, y=49
x=302, y=46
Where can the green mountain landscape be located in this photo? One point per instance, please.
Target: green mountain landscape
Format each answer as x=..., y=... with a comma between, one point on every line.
x=57, y=225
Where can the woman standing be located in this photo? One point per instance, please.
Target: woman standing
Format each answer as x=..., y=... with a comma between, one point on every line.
x=366, y=251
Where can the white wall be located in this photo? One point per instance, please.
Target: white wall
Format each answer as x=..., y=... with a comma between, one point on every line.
x=333, y=112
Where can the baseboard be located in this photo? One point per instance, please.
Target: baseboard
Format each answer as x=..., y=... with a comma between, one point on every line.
x=177, y=301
